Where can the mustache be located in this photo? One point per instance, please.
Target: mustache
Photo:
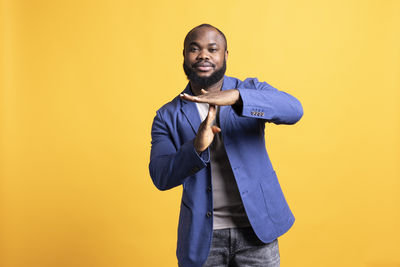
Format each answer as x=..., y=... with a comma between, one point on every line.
x=203, y=64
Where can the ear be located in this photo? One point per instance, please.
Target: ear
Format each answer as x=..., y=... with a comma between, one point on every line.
x=226, y=55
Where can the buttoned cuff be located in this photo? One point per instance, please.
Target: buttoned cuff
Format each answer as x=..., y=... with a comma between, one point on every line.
x=199, y=161
x=249, y=110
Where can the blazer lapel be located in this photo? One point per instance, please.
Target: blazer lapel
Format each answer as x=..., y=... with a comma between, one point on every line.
x=190, y=111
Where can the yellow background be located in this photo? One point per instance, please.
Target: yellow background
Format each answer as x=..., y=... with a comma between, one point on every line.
x=80, y=82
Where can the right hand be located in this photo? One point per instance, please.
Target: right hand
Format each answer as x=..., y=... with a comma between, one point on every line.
x=220, y=98
x=206, y=132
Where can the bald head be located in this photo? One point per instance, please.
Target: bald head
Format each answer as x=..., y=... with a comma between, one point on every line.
x=197, y=30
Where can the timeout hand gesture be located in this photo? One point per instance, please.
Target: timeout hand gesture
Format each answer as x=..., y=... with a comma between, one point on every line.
x=206, y=132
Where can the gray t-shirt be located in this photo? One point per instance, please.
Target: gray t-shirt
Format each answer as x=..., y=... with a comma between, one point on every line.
x=228, y=207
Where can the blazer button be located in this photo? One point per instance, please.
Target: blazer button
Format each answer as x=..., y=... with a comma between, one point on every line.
x=208, y=214
x=209, y=189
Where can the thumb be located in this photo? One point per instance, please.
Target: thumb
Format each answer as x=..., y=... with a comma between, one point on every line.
x=203, y=91
x=215, y=129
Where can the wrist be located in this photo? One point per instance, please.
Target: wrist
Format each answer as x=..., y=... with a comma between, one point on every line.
x=196, y=147
x=238, y=99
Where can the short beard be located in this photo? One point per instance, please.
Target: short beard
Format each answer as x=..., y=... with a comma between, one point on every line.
x=205, y=82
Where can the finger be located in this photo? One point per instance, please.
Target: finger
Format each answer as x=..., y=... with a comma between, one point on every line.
x=203, y=91
x=191, y=98
x=185, y=96
x=188, y=97
x=215, y=129
x=212, y=112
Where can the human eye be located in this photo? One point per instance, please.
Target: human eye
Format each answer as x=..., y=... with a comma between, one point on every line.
x=213, y=49
x=193, y=49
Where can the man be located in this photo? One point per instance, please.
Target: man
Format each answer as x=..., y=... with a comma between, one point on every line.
x=210, y=140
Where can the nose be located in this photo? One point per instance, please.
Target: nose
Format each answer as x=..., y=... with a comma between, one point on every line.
x=203, y=55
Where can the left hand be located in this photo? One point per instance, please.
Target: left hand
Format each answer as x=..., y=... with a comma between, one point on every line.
x=220, y=98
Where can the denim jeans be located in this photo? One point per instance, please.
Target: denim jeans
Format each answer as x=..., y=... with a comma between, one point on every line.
x=241, y=247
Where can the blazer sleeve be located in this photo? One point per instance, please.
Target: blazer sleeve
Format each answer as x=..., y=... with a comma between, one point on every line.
x=169, y=164
x=261, y=100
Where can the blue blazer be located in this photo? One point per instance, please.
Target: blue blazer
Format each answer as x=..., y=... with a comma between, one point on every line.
x=174, y=161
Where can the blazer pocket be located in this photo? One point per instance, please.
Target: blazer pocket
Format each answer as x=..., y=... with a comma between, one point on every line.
x=277, y=207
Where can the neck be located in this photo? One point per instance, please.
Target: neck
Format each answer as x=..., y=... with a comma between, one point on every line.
x=196, y=89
